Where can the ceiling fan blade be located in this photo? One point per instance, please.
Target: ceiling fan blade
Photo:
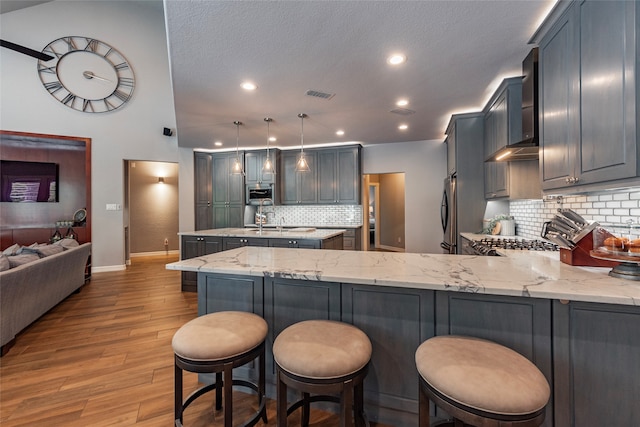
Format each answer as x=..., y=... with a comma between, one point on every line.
x=25, y=50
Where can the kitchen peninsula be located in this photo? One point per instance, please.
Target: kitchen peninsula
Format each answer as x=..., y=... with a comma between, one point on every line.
x=578, y=325
x=205, y=242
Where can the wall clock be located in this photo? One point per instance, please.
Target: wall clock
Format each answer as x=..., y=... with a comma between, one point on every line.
x=86, y=74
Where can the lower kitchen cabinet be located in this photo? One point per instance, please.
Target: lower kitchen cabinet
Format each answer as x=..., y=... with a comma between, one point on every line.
x=596, y=364
x=238, y=242
x=353, y=239
x=397, y=321
x=522, y=324
x=192, y=247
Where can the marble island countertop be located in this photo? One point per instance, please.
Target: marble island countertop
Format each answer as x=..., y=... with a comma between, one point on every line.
x=292, y=233
x=526, y=274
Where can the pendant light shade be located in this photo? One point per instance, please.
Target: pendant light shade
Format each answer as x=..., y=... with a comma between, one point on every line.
x=268, y=166
x=237, y=168
x=302, y=165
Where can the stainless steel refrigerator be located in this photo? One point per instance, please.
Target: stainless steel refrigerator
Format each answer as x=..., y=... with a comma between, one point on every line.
x=448, y=216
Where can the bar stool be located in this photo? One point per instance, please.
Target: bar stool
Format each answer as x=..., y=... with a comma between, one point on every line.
x=218, y=343
x=479, y=382
x=323, y=358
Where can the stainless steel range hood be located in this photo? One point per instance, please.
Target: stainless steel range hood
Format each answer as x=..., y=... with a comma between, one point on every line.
x=527, y=148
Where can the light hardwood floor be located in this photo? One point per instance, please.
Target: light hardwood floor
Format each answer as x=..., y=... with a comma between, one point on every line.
x=103, y=357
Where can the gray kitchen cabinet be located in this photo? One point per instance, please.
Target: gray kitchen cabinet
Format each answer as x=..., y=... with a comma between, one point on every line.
x=203, y=182
x=298, y=187
x=589, y=95
x=339, y=175
x=397, y=321
x=353, y=239
x=596, y=364
x=238, y=242
x=503, y=126
x=228, y=192
x=254, y=161
x=522, y=324
x=192, y=247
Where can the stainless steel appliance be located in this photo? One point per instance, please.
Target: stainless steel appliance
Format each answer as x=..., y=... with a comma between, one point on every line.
x=491, y=246
x=257, y=192
x=448, y=216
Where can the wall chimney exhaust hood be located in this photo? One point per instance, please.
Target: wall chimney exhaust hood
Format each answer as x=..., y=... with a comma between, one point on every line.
x=527, y=148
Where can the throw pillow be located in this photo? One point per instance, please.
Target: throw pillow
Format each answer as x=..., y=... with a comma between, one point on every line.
x=4, y=263
x=67, y=243
x=17, y=260
x=42, y=249
x=12, y=250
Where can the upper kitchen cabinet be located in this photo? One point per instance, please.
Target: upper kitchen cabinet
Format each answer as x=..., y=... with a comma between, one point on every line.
x=339, y=175
x=254, y=161
x=589, y=95
x=503, y=126
x=203, y=181
x=298, y=187
x=228, y=192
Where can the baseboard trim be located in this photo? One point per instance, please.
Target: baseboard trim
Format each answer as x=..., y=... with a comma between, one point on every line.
x=390, y=248
x=108, y=268
x=140, y=254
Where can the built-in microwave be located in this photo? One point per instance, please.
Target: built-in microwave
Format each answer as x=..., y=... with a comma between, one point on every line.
x=256, y=193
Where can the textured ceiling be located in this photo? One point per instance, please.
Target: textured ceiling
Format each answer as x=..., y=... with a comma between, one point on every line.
x=458, y=52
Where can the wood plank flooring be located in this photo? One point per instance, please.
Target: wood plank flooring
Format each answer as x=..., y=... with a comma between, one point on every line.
x=103, y=357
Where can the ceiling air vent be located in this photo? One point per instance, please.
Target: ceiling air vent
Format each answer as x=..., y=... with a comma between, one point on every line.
x=319, y=94
x=403, y=111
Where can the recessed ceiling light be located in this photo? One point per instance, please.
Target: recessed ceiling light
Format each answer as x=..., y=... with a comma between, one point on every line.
x=396, y=59
x=403, y=127
x=402, y=102
x=272, y=139
x=248, y=86
x=218, y=144
x=340, y=133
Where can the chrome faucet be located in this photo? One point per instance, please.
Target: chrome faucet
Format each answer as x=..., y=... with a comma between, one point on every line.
x=260, y=213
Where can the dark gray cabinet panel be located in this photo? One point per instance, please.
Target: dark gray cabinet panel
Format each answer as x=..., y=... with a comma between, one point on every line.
x=237, y=242
x=192, y=247
x=228, y=192
x=298, y=187
x=288, y=301
x=589, y=92
x=522, y=324
x=396, y=321
x=596, y=364
x=254, y=161
x=339, y=175
x=203, y=181
x=217, y=292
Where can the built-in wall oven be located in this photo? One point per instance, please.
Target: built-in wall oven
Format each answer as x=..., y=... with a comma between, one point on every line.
x=259, y=192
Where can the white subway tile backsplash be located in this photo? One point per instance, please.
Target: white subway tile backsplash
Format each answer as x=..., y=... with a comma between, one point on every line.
x=605, y=208
x=317, y=215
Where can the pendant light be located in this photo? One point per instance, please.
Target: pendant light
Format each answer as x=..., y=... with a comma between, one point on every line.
x=237, y=168
x=268, y=166
x=301, y=164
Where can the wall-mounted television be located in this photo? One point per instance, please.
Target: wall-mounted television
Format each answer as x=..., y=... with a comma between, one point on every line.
x=28, y=182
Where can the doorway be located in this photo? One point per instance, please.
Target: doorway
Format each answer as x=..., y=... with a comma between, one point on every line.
x=384, y=210
x=150, y=208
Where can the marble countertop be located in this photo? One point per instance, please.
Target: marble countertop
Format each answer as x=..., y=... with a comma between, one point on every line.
x=293, y=233
x=520, y=273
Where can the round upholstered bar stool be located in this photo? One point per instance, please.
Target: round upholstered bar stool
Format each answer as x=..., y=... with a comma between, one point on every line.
x=218, y=343
x=479, y=382
x=322, y=359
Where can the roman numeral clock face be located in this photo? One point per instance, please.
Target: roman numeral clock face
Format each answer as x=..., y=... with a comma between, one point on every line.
x=86, y=74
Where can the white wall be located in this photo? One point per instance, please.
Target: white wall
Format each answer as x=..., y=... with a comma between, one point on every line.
x=425, y=167
x=134, y=132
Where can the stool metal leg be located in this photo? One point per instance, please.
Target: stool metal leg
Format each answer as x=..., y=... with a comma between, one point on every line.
x=423, y=408
x=218, y=391
x=227, y=383
x=282, y=402
x=177, y=381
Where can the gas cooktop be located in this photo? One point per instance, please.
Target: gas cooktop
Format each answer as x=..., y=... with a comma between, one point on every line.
x=488, y=246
